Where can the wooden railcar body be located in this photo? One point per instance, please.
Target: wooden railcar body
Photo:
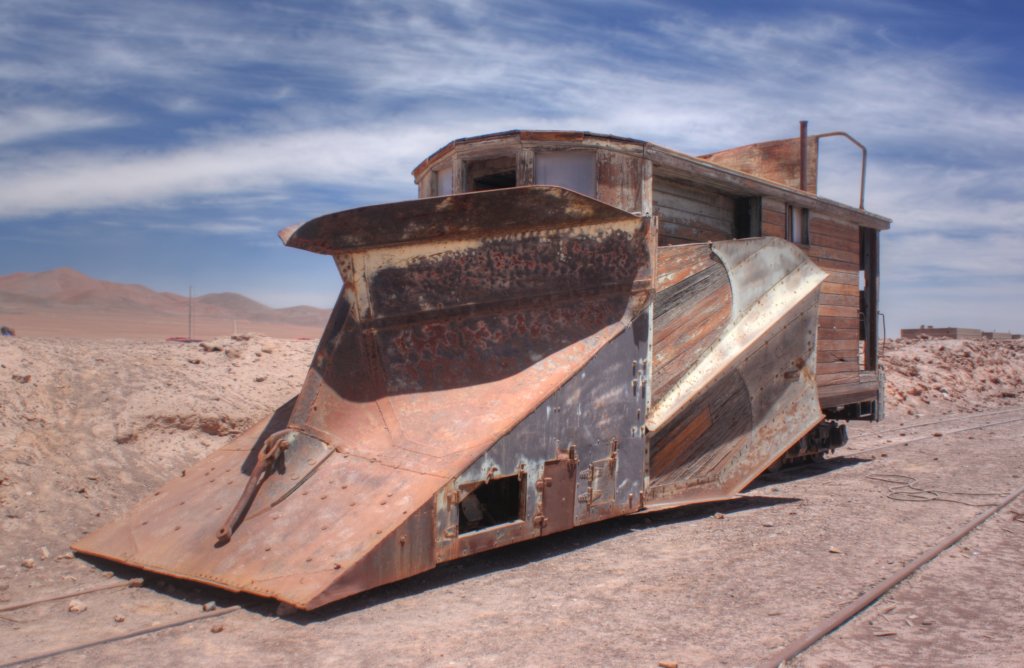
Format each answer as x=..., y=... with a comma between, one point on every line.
x=565, y=327
x=744, y=192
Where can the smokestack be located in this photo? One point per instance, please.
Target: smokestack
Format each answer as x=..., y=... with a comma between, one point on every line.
x=803, y=155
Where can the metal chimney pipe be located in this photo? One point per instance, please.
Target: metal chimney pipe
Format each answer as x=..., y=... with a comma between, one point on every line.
x=803, y=155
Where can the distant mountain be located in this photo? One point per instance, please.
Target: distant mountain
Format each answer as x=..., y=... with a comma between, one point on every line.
x=67, y=289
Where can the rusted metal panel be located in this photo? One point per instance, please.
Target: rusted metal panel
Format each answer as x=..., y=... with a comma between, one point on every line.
x=522, y=266
x=558, y=491
x=403, y=396
x=597, y=412
x=440, y=219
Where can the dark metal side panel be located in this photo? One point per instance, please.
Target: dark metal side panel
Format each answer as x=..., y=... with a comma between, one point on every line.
x=595, y=421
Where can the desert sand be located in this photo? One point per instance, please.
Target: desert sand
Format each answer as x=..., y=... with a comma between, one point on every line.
x=90, y=426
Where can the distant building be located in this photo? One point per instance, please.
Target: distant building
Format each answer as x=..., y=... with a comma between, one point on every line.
x=930, y=332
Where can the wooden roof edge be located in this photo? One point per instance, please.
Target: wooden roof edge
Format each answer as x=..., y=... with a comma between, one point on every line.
x=523, y=135
x=709, y=172
x=697, y=168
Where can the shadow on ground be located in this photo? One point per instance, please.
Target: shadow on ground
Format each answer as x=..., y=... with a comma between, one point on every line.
x=512, y=556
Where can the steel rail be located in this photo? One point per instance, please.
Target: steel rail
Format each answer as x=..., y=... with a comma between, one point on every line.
x=962, y=416
x=906, y=441
x=134, y=582
x=123, y=636
x=803, y=643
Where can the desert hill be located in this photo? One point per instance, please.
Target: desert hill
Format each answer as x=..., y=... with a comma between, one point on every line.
x=64, y=302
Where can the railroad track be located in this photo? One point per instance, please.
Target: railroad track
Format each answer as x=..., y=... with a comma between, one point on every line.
x=906, y=434
x=822, y=630
x=931, y=429
x=82, y=593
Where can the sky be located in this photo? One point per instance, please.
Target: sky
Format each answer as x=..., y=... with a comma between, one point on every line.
x=166, y=143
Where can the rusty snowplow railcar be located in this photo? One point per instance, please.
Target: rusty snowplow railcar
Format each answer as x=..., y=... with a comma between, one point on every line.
x=501, y=365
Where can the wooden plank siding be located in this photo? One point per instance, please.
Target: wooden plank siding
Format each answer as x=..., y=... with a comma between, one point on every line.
x=773, y=218
x=689, y=214
x=620, y=180
x=696, y=200
x=691, y=308
x=834, y=245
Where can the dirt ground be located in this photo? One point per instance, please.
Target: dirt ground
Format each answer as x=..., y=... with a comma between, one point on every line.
x=88, y=427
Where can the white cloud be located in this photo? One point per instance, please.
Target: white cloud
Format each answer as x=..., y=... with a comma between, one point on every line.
x=370, y=158
x=31, y=123
x=282, y=97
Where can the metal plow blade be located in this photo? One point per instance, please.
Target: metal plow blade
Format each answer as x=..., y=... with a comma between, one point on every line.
x=458, y=318
x=751, y=394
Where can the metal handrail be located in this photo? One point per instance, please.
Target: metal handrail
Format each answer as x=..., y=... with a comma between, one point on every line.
x=863, y=161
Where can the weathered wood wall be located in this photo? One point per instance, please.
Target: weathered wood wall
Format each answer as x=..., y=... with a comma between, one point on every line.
x=692, y=304
x=688, y=214
x=777, y=161
x=834, y=246
x=621, y=180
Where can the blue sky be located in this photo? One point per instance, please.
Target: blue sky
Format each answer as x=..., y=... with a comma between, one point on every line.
x=165, y=143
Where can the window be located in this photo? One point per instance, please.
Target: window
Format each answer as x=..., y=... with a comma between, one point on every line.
x=748, y=217
x=798, y=224
x=444, y=181
x=575, y=170
x=492, y=173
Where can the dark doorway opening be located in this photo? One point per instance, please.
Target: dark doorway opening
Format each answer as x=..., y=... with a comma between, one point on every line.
x=498, y=501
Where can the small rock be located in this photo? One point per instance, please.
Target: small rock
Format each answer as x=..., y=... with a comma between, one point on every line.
x=74, y=605
x=107, y=574
x=67, y=555
x=260, y=379
x=28, y=563
x=44, y=554
x=126, y=437
x=216, y=628
x=767, y=524
x=210, y=605
x=119, y=618
x=835, y=550
x=21, y=379
x=285, y=610
x=719, y=516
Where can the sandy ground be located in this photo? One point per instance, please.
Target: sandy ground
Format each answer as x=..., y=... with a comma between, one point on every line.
x=83, y=324
x=89, y=427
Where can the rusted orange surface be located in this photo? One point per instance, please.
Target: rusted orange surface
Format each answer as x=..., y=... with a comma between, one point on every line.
x=491, y=354
x=459, y=316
